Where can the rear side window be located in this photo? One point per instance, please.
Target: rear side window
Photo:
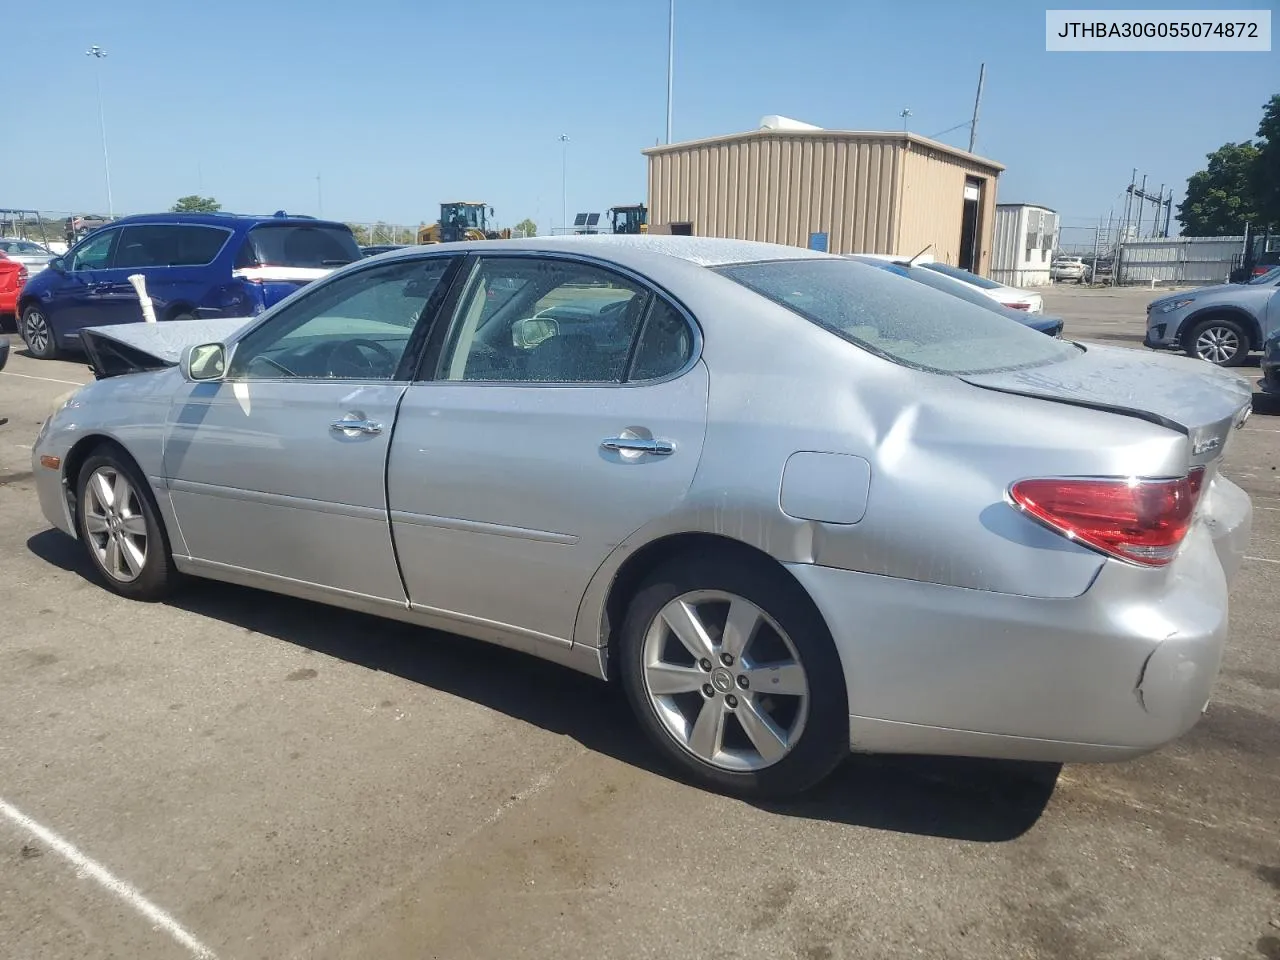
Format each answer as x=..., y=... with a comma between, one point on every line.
x=964, y=275
x=169, y=245
x=899, y=319
x=298, y=245
x=666, y=344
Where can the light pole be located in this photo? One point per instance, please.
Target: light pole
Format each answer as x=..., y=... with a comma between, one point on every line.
x=564, y=183
x=671, y=61
x=99, y=54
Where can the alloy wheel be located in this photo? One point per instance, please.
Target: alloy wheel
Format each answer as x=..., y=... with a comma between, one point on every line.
x=115, y=525
x=35, y=330
x=1217, y=344
x=725, y=681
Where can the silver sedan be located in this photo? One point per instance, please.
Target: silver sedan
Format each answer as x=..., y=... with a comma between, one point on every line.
x=26, y=252
x=795, y=504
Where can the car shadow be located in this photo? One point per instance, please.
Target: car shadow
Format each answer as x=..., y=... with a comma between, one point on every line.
x=956, y=798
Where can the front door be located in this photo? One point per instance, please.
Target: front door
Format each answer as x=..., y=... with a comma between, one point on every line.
x=76, y=300
x=279, y=469
x=567, y=410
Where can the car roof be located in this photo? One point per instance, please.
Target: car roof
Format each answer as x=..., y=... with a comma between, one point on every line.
x=632, y=249
x=221, y=219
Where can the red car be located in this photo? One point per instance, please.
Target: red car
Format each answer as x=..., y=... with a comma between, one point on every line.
x=12, y=276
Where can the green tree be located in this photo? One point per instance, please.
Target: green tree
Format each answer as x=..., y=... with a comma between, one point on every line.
x=1266, y=173
x=525, y=228
x=196, y=204
x=1222, y=197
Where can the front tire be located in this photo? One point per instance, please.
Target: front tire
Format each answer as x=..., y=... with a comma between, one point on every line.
x=1222, y=342
x=120, y=528
x=37, y=333
x=734, y=677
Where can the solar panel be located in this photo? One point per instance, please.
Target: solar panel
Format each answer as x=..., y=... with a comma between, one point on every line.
x=593, y=219
x=580, y=219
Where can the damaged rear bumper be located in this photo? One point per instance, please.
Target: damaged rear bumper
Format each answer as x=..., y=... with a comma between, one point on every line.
x=1118, y=671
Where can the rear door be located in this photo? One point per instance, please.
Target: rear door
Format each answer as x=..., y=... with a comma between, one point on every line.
x=174, y=260
x=566, y=410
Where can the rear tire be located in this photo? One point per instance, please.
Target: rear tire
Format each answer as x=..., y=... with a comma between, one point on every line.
x=1221, y=341
x=38, y=334
x=120, y=527
x=761, y=709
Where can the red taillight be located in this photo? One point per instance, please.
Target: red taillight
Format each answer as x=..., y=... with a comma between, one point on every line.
x=1020, y=306
x=1143, y=521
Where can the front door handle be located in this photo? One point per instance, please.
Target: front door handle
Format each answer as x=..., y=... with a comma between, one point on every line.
x=352, y=425
x=659, y=448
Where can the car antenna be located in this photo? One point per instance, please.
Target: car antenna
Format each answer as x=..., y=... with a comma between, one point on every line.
x=912, y=261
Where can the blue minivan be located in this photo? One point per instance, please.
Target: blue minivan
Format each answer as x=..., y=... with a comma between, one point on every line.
x=195, y=265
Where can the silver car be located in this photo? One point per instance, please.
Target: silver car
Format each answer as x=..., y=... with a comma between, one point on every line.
x=1222, y=323
x=26, y=252
x=795, y=504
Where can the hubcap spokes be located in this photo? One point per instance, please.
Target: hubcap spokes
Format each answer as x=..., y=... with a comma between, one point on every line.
x=1217, y=345
x=114, y=524
x=725, y=680
x=37, y=332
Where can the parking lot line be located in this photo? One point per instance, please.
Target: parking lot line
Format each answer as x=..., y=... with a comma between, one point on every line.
x=109, y=881
x=27, y=376
x=1263, y=559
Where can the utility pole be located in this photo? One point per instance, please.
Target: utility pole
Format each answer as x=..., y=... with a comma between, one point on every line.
x=99, y=55
x=671, y=62
x=1128, y=206
x=977, y=102
x=564, y=183
x=1142, y=202
x=1155, y=226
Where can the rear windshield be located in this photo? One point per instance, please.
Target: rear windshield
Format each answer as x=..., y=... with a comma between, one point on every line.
x=298, y=245
x=964, y=275
x=898, y=319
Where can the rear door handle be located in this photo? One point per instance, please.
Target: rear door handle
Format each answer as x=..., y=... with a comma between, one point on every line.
x=659, y=448
x=351, y=426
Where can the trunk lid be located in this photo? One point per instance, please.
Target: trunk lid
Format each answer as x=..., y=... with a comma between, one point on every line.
x=280, y=282
x=1186, y=395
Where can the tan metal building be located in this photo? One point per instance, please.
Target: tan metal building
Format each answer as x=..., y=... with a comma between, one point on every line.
x=869, y=192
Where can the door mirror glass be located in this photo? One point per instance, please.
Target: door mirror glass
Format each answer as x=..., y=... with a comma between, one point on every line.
x=57, y=265
x=527, y=334
x=208, y=361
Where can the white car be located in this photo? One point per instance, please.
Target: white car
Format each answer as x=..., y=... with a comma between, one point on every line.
x=1069, y=268
x=1009, y=296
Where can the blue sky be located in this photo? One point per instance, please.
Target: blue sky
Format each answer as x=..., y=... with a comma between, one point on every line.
x=398, y=105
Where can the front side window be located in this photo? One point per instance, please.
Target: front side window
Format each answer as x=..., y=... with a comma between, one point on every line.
x=899, y=320
x=534, y=320
x=95, y=252
x=169, y=245
x=355, y=327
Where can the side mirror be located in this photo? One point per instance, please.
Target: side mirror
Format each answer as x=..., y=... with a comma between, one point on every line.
x=207, y=361
x=527, y=334
x=58, y=265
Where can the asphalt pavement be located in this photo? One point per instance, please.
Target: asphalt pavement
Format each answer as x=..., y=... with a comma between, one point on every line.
x=238, y=775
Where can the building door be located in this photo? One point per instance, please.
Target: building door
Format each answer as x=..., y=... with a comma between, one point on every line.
x=970, y=249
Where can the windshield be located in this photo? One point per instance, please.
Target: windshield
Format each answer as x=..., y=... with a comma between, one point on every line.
x=1271, y=276
x=900, y=320
x=299, y=245
x=964, y=275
